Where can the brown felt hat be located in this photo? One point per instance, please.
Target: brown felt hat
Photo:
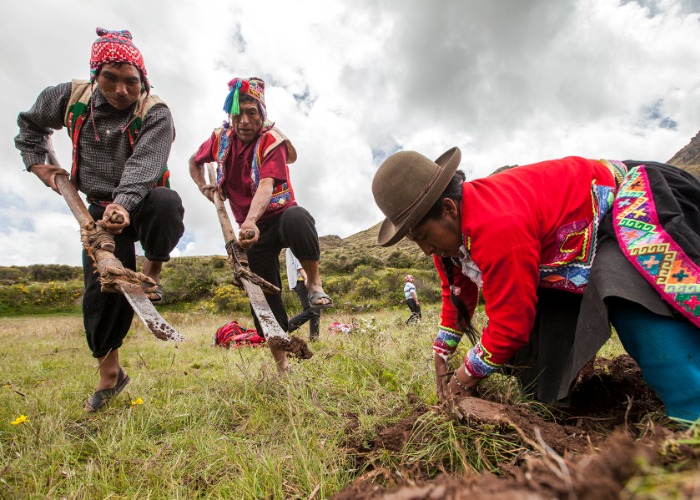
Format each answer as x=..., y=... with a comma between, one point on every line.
x=406, y=186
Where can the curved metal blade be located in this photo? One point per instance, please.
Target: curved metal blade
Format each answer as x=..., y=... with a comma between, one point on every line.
x=151, y=318
x=268, y=322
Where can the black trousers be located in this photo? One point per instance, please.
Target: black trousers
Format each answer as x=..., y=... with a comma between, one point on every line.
x=294, y=228
x=313, y=316
x=415, y=308
x=157, y=223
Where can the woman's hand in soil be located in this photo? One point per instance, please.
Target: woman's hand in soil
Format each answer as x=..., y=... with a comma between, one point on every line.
x=441, y=377
x=461, y=385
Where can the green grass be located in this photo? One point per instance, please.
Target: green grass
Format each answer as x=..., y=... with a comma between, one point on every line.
x=220, y=423
x=213, y=422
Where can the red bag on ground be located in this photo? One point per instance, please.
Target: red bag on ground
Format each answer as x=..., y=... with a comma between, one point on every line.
x=236, y=335
x=338, y=327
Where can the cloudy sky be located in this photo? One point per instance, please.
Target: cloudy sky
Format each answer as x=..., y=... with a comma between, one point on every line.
x=350, y=82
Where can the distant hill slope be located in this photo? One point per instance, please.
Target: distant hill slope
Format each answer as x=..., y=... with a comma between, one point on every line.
x=688, y=158
x=366, y=241
x=362, y=247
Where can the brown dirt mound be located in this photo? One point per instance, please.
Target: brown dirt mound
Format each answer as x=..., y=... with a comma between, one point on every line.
x=610, y=393
x=593, y=457
x=594, y=477
x=295, y=346
x=529, y=426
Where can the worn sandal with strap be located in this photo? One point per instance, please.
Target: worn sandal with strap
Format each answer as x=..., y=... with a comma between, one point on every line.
x=100, y=398
x=316, y=296
x=158, y=295
x=155, y=294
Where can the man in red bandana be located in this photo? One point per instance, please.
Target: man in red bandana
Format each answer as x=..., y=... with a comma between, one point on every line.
x=121, y=137
x=252, y=157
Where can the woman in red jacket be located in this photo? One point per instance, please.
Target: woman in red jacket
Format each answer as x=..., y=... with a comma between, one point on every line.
x=560, y=249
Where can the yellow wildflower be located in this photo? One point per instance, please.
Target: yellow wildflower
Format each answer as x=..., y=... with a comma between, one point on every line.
x=138, y=401
x=19, y=420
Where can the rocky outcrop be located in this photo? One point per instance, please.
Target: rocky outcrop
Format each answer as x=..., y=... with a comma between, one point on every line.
x=688, y=158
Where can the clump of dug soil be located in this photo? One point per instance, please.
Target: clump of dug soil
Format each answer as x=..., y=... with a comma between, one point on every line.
x=589, y=452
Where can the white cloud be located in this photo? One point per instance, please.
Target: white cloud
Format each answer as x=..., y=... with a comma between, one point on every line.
x=351, y=82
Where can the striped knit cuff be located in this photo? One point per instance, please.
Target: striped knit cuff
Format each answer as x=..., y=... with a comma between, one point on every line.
x=476, y=365
x=446, y=341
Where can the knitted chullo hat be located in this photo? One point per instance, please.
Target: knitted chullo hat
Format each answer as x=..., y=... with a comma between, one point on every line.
x=116, y=47
x=254, y=87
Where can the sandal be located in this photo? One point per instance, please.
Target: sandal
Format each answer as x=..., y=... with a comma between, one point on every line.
x=155, y=294
x=100, y=398
x=316, y=296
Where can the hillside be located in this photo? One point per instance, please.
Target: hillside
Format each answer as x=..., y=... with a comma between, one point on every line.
x=363, y=246
x=688, y=158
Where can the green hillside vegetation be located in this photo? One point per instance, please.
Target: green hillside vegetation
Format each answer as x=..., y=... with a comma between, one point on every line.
x=357, y=273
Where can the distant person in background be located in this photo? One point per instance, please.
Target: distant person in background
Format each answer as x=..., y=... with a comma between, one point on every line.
x=409, y=291
x=296, y=277
x=560, y=249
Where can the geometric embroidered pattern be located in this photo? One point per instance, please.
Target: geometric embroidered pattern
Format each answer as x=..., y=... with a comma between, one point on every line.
x=446, y=341
x=476, y=363
x=651, y=249
x=281, y=196
x=571, y=266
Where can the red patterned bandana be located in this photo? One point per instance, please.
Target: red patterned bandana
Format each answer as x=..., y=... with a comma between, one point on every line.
x=116, y=47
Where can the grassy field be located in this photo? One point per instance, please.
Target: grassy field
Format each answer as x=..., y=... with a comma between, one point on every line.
x=213, y=421
x=202, y=421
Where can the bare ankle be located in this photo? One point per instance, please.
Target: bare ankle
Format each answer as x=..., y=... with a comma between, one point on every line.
x=152, y=269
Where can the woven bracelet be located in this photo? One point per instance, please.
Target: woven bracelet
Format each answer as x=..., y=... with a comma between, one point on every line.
x=465, y=389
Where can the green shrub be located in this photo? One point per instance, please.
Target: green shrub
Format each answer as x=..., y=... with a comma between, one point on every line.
x=337, y=286
x=43, y=273
x=399, y=259
x=37, y=298
x=334, y=264
x=367, y=289
x=368, y=260
x=11, y=275
x=228, y=298
x=189, y=281
x=364, y=271
x=393, y=282
x=54, y=272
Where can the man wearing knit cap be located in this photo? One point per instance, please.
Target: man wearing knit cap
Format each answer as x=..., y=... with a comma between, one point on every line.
x=121, y=136
x=252, y=157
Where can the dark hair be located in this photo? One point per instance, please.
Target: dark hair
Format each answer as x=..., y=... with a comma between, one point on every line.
x=452, y=191
x=119, y=64
x=464, y=317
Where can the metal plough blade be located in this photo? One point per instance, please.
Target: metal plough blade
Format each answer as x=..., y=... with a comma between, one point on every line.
x=147, y=312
